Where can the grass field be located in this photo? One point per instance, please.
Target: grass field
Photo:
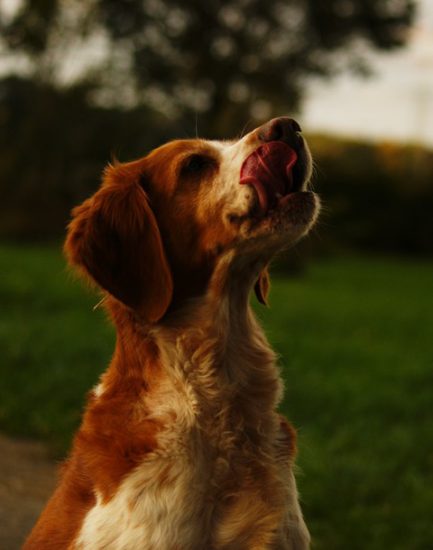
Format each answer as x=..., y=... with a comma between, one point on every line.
x=356, y=344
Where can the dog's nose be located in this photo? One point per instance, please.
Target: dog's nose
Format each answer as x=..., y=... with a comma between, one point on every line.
x=282, y=129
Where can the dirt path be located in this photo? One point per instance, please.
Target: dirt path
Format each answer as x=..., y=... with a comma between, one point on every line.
x=27, y=477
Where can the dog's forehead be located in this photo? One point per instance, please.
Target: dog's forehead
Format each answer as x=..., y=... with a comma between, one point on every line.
x=178, y=149
x=163, y=163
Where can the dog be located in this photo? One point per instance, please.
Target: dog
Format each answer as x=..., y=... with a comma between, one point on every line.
x=180, y=446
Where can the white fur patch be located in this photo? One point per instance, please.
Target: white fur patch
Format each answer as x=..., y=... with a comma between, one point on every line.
x=149, y=514
x=98, y=390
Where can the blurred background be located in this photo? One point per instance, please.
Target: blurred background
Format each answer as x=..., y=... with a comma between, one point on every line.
x=352, y=306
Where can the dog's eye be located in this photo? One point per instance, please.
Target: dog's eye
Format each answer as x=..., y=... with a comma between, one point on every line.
x=197, y=164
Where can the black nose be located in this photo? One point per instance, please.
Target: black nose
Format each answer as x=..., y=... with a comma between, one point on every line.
x=282, y=129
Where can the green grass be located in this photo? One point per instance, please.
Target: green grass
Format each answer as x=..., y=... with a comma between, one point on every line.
x=53, y=345
x=355, y=338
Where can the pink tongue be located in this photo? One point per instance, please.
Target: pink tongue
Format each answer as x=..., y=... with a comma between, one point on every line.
x=269, y=169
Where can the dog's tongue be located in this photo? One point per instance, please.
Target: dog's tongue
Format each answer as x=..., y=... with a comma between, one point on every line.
x=269, y=170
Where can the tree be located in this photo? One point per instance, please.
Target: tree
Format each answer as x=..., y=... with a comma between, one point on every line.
x=226, y=60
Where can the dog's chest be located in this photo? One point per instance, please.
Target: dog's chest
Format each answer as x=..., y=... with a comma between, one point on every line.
x=210, y=481
x=185, y=502
x=159, y=505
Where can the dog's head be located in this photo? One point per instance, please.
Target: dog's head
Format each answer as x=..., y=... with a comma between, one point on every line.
x=157, y=229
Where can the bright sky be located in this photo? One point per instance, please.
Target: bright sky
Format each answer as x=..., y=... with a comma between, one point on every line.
x=396, y=103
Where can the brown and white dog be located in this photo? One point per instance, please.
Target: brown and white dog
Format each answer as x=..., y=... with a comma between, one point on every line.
x=181, y=447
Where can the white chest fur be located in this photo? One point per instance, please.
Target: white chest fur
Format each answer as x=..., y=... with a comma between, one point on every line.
x=214, y=480
x=158, y=506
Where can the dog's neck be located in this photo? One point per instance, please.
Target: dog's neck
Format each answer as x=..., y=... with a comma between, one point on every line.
x=214, y=346
x=222, y=315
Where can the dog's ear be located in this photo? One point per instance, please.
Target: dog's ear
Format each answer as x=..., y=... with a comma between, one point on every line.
x=262, y=286
x=114, y=238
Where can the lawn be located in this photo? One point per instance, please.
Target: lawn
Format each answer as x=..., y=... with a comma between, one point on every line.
x=356, y=344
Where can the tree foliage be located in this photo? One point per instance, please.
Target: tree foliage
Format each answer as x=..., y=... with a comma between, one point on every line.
x=122, y=76
x=227, y=60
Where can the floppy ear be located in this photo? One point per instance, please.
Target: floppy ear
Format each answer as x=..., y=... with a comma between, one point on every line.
x=262, y=286
x=114, y=238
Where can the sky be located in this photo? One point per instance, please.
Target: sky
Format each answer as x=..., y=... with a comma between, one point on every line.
x=396, y=103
